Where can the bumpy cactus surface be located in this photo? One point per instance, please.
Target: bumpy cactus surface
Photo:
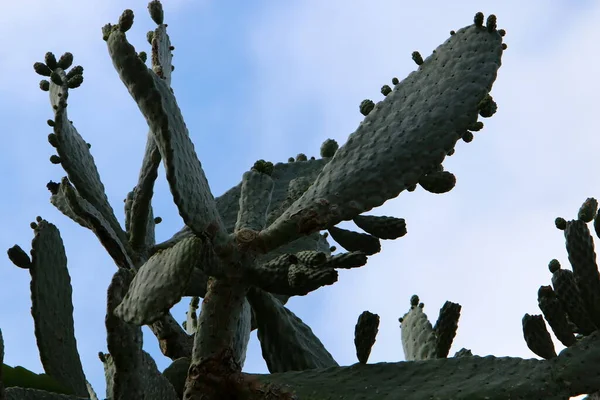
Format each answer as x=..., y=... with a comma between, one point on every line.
x=248, y=251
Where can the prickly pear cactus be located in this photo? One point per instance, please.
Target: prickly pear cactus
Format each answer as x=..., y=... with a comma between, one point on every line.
x=248, y=251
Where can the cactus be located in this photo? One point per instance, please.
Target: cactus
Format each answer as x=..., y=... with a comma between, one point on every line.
x=248, y=251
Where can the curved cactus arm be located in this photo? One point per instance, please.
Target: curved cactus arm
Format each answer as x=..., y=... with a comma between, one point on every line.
x=19, y=393
x=172, y=339
x=141, y=219
x=73, y=152
x=382, y=227
x=160, y=282
x=135, y=373
x=118, y=249
x=255, y=200
x=52, y=308
x=157, y=103
x=141, y=211
x=403, y=138
x=287, y=343
x=58, y=199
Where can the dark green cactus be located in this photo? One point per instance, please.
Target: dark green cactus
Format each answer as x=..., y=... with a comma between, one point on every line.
x=248, y=251
x=365, y=333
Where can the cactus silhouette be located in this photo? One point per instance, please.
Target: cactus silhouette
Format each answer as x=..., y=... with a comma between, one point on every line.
x=248, y=251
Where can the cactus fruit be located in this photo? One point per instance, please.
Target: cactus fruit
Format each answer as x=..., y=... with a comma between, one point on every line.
x=366, y=106
x=328, y=148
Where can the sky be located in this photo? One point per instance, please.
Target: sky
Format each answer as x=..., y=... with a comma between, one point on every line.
x=273, y=79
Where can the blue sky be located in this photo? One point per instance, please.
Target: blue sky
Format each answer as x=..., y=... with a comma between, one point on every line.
x=275, y=79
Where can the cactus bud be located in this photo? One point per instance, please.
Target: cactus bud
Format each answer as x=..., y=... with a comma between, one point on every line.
x=76, y=70
x=501, y=32
x=291, y=159
x=156, y=11
x=264, y=167
x=143, y=56
x=75, y=81
x=54, y=159
x=106, y=30
x=301, y=157
x=157, y=220
x=44, y=85
x=467, y=136
x=33, y=225
x=452, y=33
x=366, y=106
x=50, y=60
x=554, y=265
x=53, y=187
x=329, y=147
x=395, y=81
x=560, y=223
x=42, y=69
x=65, y=61
x=414, y=300
x=126, y=20
x=56, y=79
x=478, y=19
x=491, y=23
x=416, y=56
x=504, y=46
x=332, y=249
x=150, y=36
x=477, y=126
x=385, y=90
x=588, y=210
x=50, y=122
x=487, y=107
x=53, y=140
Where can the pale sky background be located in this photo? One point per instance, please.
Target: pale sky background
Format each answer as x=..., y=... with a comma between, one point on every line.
x=275, y=79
